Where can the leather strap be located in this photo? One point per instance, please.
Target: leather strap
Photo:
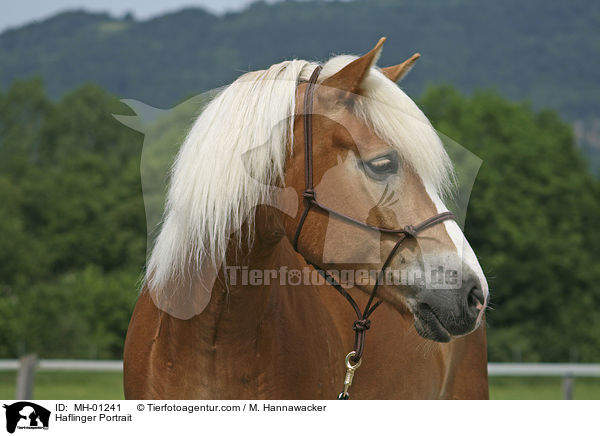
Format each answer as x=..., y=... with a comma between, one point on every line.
x=362, y=323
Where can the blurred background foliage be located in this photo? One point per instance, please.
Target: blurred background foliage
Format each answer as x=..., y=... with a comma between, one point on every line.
x=72, y=223
x=546, y=52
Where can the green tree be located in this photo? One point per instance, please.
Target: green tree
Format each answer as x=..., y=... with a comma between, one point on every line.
x=72, y=222
x=532, y=221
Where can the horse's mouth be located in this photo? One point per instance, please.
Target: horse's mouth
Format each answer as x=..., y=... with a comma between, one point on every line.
x=428, y=324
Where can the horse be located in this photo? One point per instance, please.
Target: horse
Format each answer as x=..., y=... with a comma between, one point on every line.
x=371, y=164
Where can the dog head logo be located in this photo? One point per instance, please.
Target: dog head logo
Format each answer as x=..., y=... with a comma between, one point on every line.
x=26, y=415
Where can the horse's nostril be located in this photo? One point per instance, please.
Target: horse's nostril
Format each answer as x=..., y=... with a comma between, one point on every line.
x=475, y=297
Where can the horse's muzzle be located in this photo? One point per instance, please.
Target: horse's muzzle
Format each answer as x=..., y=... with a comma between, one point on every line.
x=441, y=314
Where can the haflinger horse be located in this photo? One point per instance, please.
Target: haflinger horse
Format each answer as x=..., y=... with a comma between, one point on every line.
x=367, y=174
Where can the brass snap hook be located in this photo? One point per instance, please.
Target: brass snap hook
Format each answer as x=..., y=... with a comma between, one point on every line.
x=350, y=368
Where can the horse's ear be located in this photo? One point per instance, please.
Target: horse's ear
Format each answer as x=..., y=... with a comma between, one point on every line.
x=351, y=76
x=397, y=72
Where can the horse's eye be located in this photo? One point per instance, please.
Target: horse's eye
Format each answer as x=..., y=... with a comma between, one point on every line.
x=381, y=167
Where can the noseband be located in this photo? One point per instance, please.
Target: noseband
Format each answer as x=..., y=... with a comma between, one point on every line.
x=362, y=323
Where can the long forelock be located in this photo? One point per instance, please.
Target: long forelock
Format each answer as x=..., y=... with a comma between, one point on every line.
x=213, y=192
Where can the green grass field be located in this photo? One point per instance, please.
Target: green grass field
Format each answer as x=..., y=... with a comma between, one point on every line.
x=541, y=388
x=60, y=385
x=63, y=385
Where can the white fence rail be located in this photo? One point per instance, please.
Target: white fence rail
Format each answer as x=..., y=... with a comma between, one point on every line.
x=66, y=365
x=544, y=369
x=27, y=366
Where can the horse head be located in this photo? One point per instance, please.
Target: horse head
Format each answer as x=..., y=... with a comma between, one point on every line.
x=377, y=160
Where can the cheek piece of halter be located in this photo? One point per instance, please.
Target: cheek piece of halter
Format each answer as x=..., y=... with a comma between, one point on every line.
x=362, y=323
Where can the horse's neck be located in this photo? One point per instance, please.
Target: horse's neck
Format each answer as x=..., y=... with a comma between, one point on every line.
x=267, y=338
x=271, y=339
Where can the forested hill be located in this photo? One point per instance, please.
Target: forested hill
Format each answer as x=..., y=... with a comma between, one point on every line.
x=547, y=52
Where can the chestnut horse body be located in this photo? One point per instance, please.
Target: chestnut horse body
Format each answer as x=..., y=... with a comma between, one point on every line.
x=274, y=340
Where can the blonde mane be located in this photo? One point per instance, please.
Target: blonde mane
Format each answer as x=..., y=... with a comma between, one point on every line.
x=213, y=191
